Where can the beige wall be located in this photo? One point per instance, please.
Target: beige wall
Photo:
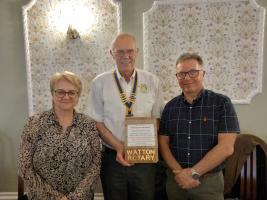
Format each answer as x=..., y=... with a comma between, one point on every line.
x=13, y=87
x=13, y=90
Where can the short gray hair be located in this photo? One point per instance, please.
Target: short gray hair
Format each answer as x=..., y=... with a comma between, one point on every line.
x=187, y=56
x=122, y=35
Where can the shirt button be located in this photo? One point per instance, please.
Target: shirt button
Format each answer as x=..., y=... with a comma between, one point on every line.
x=190, y=107
x=188, y=154
x=189, y=122
x=188, y=137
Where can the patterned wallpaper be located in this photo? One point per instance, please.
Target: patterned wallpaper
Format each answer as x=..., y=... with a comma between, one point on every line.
x=228, y=34
x=48, y=50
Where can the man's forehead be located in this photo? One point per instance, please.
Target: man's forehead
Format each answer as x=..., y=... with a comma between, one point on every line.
x=186, y=64
x=124, y=46
x=124, y=41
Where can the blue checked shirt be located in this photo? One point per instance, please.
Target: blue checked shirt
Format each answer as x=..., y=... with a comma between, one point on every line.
x=193, y=128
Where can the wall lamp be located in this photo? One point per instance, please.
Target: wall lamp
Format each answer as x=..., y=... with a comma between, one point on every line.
x=72, y=33
x=72, y=18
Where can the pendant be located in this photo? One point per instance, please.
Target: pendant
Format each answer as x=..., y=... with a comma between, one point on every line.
x=129, y=113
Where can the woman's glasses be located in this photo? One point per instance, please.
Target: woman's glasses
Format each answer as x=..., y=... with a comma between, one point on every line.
x=61, y=93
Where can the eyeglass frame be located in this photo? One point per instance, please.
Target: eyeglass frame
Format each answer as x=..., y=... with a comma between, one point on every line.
x=71, y=93
x=188, y=73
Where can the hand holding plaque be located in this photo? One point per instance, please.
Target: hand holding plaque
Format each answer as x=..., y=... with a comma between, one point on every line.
x=141, y=145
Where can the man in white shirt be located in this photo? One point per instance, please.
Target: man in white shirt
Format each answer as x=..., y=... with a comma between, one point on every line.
x=124, y=91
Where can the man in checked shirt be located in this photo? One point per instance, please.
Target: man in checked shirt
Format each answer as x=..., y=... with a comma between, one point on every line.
x=197, y=133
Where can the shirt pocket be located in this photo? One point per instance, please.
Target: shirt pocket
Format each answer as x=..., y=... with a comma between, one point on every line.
x=144, y=105
x=209, y=122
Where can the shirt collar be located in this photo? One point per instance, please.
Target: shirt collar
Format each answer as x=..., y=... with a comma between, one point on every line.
x=199, y=96
x=121, y=77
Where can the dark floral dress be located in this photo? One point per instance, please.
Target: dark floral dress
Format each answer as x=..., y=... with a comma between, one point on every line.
x=54, y=164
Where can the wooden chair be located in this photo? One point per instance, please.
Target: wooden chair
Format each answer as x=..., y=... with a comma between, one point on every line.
x=21, y=195
x=246, y=170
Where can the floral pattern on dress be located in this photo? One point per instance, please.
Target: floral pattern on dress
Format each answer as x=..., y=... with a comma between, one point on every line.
x=54, y=164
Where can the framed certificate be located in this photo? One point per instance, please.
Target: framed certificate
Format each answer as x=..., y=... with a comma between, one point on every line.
x=141, y=145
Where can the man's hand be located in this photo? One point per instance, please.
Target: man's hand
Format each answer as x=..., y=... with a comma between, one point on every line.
x=110, y=139
x=184, y=179
x=64, y=198
x=120, y=156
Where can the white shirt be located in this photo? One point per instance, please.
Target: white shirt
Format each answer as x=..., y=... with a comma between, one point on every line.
x=104, y=103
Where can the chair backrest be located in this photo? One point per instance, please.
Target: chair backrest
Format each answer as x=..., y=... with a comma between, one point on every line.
x=20, y=187
x=253, y=176
x=248, y=166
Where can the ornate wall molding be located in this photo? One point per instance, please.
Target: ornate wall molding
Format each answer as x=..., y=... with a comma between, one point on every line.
x=228, y=34
x=48, y=50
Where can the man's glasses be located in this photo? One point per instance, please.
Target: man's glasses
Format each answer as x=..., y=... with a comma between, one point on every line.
x=192, y=74
x=121, y=52
x=61, y=93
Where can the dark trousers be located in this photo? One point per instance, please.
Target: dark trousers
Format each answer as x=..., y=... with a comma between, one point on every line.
x=161, y=178
x=211, y=188
x=126, y=183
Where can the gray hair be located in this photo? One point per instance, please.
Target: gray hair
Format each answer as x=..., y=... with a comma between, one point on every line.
x=122, y=35
x=187, y=56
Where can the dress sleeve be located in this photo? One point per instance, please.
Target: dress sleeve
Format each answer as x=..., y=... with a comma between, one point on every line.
x=35, y=186
x=86, y=187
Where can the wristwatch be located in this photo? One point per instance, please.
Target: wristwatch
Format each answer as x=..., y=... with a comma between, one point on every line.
x=195, y=175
